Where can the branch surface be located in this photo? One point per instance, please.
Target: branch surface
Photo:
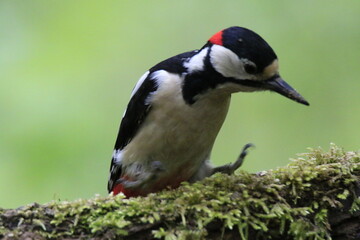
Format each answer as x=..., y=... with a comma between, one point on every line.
x=315, y=197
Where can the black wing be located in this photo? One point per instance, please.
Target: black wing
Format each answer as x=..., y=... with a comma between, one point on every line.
x=135, y=114
x=138, y=108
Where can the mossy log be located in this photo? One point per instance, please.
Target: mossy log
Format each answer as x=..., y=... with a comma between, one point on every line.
x=315, y=197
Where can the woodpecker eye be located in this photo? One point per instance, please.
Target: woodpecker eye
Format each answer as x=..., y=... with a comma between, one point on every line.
x=250, y=68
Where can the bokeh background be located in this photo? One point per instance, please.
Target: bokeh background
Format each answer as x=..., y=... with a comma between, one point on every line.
x=67, y=69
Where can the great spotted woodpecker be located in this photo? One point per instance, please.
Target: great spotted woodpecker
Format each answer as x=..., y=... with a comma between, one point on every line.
x=178, y=107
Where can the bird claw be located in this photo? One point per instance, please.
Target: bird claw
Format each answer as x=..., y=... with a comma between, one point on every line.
x=231, y=167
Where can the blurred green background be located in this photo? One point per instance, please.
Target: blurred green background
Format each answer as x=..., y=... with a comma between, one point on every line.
x=67, y=69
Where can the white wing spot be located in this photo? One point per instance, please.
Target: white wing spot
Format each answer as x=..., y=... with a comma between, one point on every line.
x=139, y=83
x=137, y=86
x=117, y=156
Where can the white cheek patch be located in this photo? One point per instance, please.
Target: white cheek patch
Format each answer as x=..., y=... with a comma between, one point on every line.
x=228, y=63
x=196, y=63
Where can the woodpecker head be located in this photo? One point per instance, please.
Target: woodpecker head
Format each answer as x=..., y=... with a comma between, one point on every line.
x=247, y=63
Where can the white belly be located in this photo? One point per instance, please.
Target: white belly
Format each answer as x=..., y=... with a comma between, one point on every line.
x=178, y=135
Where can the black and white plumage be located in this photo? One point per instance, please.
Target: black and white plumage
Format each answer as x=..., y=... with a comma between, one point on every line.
x=178, y=107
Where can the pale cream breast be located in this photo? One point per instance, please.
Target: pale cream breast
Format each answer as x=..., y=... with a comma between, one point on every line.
x=174, y=132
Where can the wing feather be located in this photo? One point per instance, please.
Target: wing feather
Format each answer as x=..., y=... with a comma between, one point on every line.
x=138, y=108
x=135, y=114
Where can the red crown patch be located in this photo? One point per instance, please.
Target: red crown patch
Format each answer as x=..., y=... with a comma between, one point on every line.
x=217, y=38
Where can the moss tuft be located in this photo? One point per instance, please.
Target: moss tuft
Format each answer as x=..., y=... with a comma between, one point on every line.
x=291, y=202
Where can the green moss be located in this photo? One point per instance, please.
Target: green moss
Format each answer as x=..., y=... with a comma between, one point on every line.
x=291, y=202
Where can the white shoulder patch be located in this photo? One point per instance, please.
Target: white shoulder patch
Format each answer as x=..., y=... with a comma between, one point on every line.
x=168, y=86
x=196, y=63
x=228, y=63
x=160, y=76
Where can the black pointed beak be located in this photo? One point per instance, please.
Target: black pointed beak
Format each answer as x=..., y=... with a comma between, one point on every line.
x=277, y=84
